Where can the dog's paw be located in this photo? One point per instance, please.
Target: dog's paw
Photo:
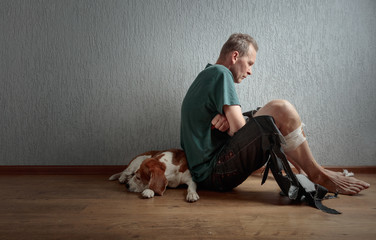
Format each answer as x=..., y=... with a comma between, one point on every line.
x=192, y=197
x=123, y=178
x=114, y=177
x=147, y=193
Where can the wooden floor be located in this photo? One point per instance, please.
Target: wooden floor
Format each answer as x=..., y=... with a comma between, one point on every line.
x=90, y=207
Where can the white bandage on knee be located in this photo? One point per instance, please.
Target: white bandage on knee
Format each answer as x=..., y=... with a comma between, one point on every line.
x=294, y=139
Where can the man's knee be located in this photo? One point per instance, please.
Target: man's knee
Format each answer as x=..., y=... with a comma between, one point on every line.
x=281, y=105
x=284, y=114
x=281, y=109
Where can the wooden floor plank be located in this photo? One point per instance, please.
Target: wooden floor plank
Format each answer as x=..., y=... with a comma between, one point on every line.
x=90, y=207
x=110, y=169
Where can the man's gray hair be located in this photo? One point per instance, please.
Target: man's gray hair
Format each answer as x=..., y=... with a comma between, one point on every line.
x=238, y=42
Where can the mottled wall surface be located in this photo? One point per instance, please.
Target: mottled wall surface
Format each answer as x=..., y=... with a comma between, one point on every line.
x=97, y=82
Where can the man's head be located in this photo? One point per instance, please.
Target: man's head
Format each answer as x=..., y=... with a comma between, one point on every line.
x=238, y=54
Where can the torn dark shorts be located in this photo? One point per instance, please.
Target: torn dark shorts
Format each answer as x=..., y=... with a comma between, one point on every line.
x=243, y=154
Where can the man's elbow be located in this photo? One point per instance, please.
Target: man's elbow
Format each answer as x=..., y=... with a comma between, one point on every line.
x=233, y=130
x=230, y=133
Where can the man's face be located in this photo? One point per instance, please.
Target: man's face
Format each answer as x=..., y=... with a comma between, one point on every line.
x=242, y=66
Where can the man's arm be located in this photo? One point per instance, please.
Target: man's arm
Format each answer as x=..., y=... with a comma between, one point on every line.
x=231, y=122
x=234, y=117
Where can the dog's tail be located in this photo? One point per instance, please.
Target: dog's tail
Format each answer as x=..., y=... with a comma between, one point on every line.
x=115, y=176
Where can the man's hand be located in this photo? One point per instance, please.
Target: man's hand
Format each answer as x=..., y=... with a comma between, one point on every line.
x=220, y=122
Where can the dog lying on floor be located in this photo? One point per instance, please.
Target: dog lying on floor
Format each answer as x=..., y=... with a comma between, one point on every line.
x=151, y=172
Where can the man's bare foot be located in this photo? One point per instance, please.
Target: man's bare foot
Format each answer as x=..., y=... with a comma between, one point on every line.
x=337, y=182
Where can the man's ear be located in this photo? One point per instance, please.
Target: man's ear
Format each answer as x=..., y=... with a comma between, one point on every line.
x=158, y=181
x=234, y=56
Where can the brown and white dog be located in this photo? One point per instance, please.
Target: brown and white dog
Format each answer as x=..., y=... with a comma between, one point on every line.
x=151, y=172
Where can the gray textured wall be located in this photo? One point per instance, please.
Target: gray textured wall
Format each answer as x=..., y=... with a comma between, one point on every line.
x=96, y=82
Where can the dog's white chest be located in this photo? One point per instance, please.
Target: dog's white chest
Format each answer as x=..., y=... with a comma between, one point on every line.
x=172, y=171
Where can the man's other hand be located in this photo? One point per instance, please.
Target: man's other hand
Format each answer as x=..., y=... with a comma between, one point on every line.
x=220, y=122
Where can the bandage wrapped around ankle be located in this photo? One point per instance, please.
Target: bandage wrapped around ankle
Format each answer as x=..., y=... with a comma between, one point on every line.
x=294, y=139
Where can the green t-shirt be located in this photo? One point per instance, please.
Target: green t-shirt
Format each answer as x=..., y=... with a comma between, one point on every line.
x=213, y=88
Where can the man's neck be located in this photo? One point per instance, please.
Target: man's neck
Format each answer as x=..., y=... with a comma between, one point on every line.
x=221, y=62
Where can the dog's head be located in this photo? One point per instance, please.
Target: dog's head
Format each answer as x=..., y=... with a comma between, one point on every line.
x=150, y=175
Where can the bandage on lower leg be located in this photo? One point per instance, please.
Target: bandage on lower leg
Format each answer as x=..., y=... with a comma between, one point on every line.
x=294, y=139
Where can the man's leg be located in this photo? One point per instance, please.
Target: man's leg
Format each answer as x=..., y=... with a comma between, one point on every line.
x=287, y=120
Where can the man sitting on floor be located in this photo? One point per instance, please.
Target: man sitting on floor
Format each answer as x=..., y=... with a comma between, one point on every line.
x=211, y=116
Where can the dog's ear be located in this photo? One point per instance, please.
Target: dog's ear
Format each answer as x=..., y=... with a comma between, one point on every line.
x=158, y=181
